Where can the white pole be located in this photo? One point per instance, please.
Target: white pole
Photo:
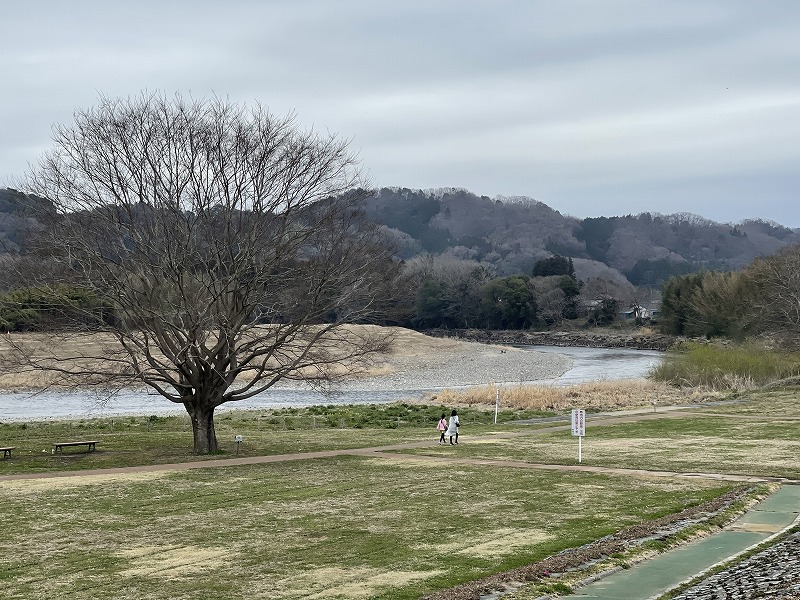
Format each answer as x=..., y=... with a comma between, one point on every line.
x=496, y=401
x=580, y=439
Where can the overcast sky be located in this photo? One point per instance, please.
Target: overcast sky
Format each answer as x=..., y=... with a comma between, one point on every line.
x=594, y=107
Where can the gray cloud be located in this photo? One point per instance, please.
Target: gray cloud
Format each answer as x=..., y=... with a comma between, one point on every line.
x=613, y=107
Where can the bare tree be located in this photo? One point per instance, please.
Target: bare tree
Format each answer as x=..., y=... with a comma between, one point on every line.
x=550, y=299
x=777, y=300
x=228, y=242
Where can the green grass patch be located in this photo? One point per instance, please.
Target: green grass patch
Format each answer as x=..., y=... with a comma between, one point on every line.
x=141, y=440
x=726, y=367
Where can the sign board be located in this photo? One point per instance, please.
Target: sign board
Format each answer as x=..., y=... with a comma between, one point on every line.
x=238, y=439
x=578, y=422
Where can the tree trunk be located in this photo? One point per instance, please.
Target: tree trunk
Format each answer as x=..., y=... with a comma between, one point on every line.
x=205, y=436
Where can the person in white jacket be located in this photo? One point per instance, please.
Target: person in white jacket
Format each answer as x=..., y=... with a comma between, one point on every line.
x=452, y=426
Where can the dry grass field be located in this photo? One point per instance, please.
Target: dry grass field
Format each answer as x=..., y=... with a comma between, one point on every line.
x=596, y=395
x=326, y=529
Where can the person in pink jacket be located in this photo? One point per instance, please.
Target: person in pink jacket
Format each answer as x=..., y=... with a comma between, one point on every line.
x=442, y=427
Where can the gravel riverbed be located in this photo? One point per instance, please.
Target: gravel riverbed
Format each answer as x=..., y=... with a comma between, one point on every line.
x=458, y=365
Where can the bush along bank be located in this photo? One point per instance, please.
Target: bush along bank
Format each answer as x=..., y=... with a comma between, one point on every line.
x=586, y=339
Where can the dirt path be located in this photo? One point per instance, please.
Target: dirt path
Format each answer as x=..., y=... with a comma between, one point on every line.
x=394, y=452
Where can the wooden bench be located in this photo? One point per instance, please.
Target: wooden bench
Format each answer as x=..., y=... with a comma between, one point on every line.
x=59, y=447
x=7, y=450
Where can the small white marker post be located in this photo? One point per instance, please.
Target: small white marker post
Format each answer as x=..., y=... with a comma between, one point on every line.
x=496, y=401
x=238, y=440
x=579, y=428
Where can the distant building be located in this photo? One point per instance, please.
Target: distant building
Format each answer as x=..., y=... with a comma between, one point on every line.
x=641, y=313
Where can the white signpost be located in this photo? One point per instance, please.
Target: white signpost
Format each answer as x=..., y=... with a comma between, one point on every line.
x=496, y=401
x=579, y=427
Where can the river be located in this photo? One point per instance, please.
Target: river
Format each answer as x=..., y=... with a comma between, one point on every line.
x=589, y=364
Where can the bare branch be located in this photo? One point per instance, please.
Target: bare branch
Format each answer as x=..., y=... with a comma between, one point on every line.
x=228, y=243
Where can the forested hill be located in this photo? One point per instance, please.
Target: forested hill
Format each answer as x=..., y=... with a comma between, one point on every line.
x=15, y=219
x=512, y=234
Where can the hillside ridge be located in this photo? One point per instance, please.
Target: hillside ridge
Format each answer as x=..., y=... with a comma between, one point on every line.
x=510, y=234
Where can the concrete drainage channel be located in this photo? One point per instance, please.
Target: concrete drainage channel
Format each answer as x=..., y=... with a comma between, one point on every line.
x=765, y=573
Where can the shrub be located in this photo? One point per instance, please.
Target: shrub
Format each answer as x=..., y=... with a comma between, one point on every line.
x=726, y=368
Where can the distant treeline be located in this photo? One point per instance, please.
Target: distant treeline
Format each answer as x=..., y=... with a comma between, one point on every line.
x=431, y=293
x=761, y=299
x=56, y=307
